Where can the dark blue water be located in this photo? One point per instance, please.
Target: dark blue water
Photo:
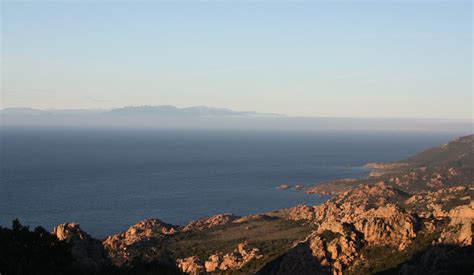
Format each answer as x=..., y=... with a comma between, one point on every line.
x=109, y=179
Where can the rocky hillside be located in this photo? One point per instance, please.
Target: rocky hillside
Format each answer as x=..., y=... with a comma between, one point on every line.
x=415, y=216
x=451, y=164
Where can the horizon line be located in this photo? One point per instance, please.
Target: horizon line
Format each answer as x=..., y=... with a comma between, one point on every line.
x=242, y=112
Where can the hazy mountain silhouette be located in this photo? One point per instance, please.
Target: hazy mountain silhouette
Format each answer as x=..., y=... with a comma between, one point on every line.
x=168, y=116
x=146, y=110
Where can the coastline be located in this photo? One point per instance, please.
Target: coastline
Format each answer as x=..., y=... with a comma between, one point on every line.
x=413, y=214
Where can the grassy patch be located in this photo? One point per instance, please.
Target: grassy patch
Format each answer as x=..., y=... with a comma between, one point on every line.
x=272, y=237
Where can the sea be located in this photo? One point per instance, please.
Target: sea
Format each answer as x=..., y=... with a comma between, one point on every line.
x=108, y=179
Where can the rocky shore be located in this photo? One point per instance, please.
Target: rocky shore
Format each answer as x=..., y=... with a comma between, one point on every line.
x=415, y=217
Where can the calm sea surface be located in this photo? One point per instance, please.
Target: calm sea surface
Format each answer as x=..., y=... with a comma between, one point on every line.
x=108, y=179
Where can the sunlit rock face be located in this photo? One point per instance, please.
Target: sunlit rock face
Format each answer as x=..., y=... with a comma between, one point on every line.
x=141, y=240
x=460, y=229
x=220, y=262
x=233, y=260
x=191, y=265
x=152, y=228
x=345, y=225
x=365, y=216
x=85, y=249
x=387, y=225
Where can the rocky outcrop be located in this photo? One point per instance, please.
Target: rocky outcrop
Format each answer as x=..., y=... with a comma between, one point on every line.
x=302, y=212
x=386, y=225
x=209, y=222
x=339, y=243
x=191, y=265
x=439, y=203
x=362, y=217
x=85, y=249
x=371, y=195
x=322, y=253
x=233, y=260
x=354, y=202
x=220, y=262
x=460, y=229
x=143, y=230
x=140, y=240
x=452, y=251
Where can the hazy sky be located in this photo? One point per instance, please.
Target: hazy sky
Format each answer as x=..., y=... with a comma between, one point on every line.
x=312, y=58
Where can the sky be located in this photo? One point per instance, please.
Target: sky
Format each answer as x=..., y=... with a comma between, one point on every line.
x=374, y=59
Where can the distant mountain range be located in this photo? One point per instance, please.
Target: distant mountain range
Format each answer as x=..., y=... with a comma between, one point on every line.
x=202, y=117
x=162, y=110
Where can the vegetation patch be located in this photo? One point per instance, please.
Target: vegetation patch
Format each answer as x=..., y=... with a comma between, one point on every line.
x=270, y=236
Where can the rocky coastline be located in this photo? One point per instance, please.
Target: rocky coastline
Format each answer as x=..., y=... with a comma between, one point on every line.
x=415, y=216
